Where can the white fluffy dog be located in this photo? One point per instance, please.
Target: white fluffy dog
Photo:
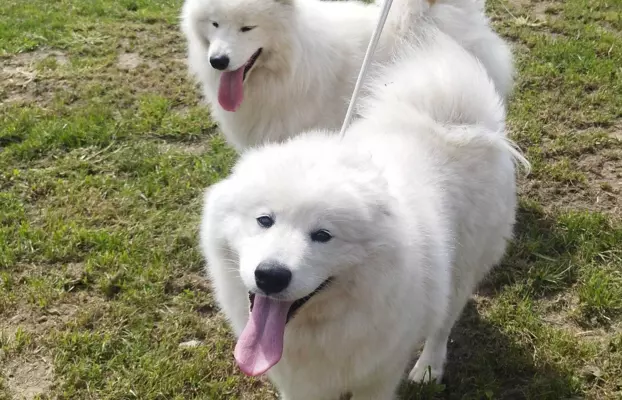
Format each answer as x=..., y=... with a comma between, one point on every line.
x=271, y=69
x=354, y=251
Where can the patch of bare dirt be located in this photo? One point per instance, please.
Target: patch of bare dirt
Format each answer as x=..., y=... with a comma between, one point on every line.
x=556, y=196
x=129, y=61
x=545, y=10
x=18, y=75
x=148, y=60
x=195, y=149
x=519, y=3
x=602, y=191
x=29, y=372
x=193, y=282
x=30, y=377
x=157, y=48
x=143, y=72
x=534, y=13
x=560, y=313
x=124, y=44
x=37, y=323
x=30, y=58
x=604, y=180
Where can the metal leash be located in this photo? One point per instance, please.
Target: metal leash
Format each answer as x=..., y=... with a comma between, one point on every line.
x=373, y=43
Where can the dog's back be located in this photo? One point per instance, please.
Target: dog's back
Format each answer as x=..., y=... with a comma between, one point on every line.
x=437, y=113
x=420, y=195
x=436, y=124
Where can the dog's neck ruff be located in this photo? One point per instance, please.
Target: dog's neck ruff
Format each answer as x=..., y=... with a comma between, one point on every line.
x=371, y=48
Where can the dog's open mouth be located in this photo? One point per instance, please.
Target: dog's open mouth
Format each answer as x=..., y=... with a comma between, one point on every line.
x=296, y=304
x=231, y=89
x=251, y=63
x=260, y=345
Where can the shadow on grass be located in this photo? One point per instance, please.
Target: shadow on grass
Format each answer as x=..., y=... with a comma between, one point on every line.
x=542, y=257
x=484, y=363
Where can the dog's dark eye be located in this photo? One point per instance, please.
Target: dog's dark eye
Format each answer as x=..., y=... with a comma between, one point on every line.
x=215, y=24
x=265, y=221
x=247, y=28
x=321, y=236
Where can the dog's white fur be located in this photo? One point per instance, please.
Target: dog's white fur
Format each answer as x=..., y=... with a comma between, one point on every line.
x=312, y=53
x=420, y=198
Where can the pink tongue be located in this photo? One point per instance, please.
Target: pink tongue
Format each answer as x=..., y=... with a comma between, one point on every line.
x=231, y=90
x=260, y=345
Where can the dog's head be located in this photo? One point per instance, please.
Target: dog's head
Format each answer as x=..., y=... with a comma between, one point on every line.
x=300, y=214
x=305, y=217
x=238, y=36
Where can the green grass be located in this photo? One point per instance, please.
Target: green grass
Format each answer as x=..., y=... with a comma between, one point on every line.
x=104, y=153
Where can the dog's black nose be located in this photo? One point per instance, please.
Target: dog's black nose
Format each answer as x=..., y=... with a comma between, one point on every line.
x=219, y=62
x=272, y=277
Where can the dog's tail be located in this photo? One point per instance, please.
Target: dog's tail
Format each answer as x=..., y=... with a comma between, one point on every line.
x=517, y=154
x=469, y=136
x=438, y=82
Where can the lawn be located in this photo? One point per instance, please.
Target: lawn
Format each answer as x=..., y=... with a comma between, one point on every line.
x=105, y=149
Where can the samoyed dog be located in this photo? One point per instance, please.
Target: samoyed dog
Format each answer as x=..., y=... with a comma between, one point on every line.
x=270, y=69
x=334, y=258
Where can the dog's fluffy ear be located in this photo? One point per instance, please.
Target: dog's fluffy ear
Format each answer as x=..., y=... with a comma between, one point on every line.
x=214, y=193
x=207, y=194
x=217, y=203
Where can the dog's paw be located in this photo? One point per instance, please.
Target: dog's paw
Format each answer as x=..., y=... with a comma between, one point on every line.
x=426, y=371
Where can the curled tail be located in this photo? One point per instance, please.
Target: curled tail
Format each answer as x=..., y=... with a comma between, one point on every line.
x=474, y=136
x=517, y=154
